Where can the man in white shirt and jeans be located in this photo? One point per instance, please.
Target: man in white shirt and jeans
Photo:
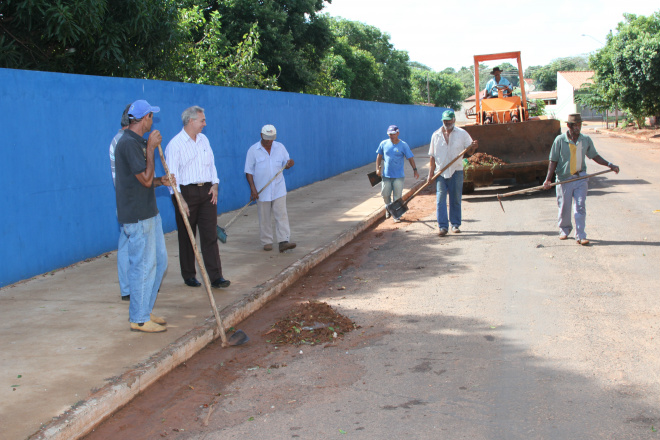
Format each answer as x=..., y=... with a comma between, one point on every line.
x=447, y=143
x=190, y=158
x=122, y=247
x=264, y=159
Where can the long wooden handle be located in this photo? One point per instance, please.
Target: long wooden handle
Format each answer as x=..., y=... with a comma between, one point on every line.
x=198, y=257
x=248, y=203
x=435, y=176
x=535, y=188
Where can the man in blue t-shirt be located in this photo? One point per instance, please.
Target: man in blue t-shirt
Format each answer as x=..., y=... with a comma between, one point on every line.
x=498, y=81
x=393, y=151
x=138, y=213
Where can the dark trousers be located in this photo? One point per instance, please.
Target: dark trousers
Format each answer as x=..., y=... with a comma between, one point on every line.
x=203, y=215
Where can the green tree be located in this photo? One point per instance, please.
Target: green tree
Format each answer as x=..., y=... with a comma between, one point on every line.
x=95, y=37
x=443, y=89
x=333, y=78
x=546, y=76
x=536, y=107
x=418, y=65
x=627, y=69
x=466, y=77
x=381, y=73
x=203, y=55
x=510, y=72
x=293, y=36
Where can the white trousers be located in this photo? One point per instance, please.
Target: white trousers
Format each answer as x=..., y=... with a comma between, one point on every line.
x=269, y=211
x=572, y=197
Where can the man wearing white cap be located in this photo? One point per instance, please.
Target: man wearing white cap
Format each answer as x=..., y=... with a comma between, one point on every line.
x=138, y=214
x=264, y=160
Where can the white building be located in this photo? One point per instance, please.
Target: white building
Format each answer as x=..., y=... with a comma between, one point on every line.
x=567, y=84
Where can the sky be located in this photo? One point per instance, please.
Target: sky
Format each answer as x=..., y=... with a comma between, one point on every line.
x=441, y=33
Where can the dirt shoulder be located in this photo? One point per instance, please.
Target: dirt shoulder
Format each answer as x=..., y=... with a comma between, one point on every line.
x=651, y=134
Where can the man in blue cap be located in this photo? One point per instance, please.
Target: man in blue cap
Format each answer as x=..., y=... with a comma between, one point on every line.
x=446, y=144
x=390, y=158
x=138, y=214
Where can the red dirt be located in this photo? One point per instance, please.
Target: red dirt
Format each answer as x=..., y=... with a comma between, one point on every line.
x=310, y=323
x=649, y=132
x=485, y=159
x=180, y=405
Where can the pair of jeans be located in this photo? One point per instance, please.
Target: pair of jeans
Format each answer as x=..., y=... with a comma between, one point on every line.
x=391, y=185
x=452, y=187
x=147, y=259
x=122, y=263
x=572, y=196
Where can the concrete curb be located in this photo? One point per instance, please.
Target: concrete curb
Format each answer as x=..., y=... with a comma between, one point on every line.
x=85, y=415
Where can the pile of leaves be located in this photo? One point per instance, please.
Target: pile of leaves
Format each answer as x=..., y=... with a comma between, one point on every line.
x=310, y=323
x=484, y=159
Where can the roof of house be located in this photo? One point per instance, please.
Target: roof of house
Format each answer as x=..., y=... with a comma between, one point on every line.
x=577, y=79
x=542, y=95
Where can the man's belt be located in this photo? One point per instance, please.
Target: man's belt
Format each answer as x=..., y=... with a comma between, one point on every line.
x=197, y=184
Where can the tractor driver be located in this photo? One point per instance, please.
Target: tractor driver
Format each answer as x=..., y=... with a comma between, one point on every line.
x=498, y=82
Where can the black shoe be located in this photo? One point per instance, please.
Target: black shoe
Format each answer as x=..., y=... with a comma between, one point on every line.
x=285, y=246
x=221, y=282
x=192, y=282
x=126, y=297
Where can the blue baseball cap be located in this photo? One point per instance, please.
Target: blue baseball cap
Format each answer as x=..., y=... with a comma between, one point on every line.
x=141, y=108
x=448, y=115
x=392, y=129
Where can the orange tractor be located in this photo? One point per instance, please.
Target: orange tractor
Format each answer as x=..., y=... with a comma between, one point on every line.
x=505, y=130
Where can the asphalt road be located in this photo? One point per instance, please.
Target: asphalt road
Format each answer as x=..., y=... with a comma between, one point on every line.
x=501, y=332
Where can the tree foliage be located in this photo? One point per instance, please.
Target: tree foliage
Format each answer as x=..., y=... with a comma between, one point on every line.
x=546, y=76
x=95, y=37
x=293, y=36
x=441, y=89
x=373, y=70
x=203, y=55
x=627, y=69
x=466, y=76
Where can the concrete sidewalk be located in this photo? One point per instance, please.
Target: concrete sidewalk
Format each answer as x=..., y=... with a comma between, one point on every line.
x=67, y=356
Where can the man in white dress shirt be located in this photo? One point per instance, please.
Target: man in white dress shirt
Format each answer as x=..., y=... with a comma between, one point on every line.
x=446, y=143
x=189, y=157
x=264, y=159
x=122, y=246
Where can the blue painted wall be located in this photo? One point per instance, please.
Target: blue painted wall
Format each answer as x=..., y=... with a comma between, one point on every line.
x=59, y=201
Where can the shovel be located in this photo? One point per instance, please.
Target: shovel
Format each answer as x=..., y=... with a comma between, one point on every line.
x=535, y=188
x=374, y=178
x=222, y=232
x=398, y=207
x=236, y=339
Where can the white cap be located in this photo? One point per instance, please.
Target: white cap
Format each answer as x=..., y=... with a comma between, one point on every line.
x=268, y=132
